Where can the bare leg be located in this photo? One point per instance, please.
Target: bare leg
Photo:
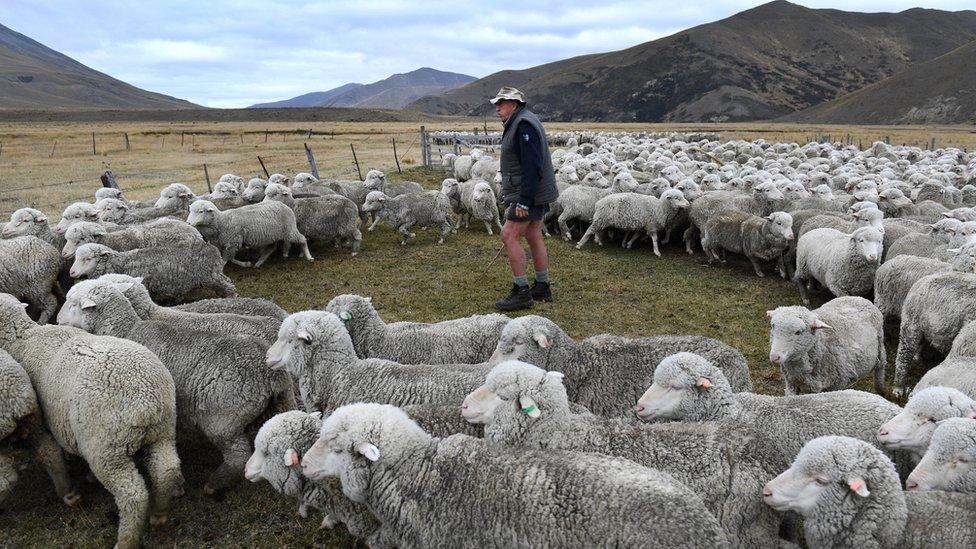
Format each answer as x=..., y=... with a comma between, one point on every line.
x=537, y=244
x=512, y=233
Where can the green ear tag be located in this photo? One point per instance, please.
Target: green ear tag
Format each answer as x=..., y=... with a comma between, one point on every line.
x=528, y=410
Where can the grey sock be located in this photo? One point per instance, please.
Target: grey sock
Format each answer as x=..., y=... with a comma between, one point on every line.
x=542, y=276
x=521, y=280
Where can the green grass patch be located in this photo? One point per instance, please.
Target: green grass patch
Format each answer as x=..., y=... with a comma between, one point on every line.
x=597, y=290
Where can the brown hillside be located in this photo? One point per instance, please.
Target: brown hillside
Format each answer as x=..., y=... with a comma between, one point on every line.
x=762, y=63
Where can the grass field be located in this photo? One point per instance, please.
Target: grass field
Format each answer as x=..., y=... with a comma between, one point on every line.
x=598, y=290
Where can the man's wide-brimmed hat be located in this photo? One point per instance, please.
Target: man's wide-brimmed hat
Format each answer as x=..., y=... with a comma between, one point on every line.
x=508, y=93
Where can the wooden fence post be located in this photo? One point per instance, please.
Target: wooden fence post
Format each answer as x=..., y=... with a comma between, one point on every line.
x=356, y=160
x=423, y=145
x=182, y=137
x=206, y=174
x=265, y=136
x=108, y=180
x=396, y=157
x=309, y=133
x=266, y=174
x=93, y=144
x=127, y=147
x=311, y=161
x=242, y=138
x=52, y=150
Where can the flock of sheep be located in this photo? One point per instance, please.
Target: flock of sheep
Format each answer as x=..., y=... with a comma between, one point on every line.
x=492, y=431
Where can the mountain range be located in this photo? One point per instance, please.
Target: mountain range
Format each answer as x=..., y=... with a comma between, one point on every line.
x=762, y=63
x=395, y=92
x=35, y=76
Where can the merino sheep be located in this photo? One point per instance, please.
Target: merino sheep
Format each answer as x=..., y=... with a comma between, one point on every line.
x=579, y=202
x=376, y=181
x=849, y=496
x=106, y=400
x=689, y=388
x=404, y=212
x=259, y=226
x=254, y=190
x=912, y=428
x=765, y=199
x=158, y=233
x=168, y=273
x=948, y=462
x=755, y=237
x=332, y=218
x=843, y=263
x=222, y=387
x=633, y=212
x=935, y=310
x=369, y=446
x=247, y=306
x=957, y=372
x=895, y=278
x=315, y=348
x=79, y=211
x=484, y=206
x=709, y=458
x=31, y=222
x=21, y=417
x=829, y=348
x=606, y=373
x=469, y=340
x=29, y=270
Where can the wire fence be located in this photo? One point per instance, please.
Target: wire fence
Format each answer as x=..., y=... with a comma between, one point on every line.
x=198, y=156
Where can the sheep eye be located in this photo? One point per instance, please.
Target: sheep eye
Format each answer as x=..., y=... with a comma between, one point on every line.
x=798, y=332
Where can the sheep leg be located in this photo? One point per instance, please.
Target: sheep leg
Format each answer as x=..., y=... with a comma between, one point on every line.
x=657, y=251
x=667, y=236
x=689, y=234
x=357, y=241
x=879, y=368
x=235, y=452
x=404, y=230
x=630, y=243
x=376, y=221
x=303, y=243
x=265, y=254
x=756, y=267
x=446, y=230
x=48, y=452
x=229, y=257
x=564, y=227
x=488, y=228
x=909, y=341
x=163, y=469
x=49, y=304
x=119, y=475
x=586, y=237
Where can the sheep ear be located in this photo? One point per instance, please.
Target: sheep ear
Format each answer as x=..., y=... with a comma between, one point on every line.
x=368, y=451
x=88, y=304
x=303, y=335
x=368, y=300
x=104, y=252
x=950, y=230
x=770, y=313
x=24, y=305
x=704, y=383
x=315, y=415
x=139, y=279
x=817, y=324
x=859, y=487
x=946, y=215
x=954, y=250
x=124, y=286
x=41, y=219
x=556, y=375
x=291, y=457
x=542, y=339
x=529, y=407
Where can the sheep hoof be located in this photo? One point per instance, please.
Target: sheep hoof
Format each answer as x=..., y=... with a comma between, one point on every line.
x=898, y=392
x=354, y=254
x=657, y=253
x=440, y=241
x=369, y=230
x=328, y=523
x=209, y=490
x=414, y=235
x=760, y=275
x=158, y=521
x=72, y=499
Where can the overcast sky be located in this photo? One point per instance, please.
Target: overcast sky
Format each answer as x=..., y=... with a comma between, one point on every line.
x=233, y=53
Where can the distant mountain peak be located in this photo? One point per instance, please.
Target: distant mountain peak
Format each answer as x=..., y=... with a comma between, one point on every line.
x=393, y=92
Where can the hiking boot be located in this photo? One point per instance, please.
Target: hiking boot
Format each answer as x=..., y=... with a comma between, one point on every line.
x=519, y=298
x=541, y=291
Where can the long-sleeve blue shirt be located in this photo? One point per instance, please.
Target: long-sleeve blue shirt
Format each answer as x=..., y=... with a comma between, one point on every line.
x=529, y=152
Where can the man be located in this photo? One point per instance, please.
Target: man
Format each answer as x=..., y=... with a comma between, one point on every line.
x=528, y=187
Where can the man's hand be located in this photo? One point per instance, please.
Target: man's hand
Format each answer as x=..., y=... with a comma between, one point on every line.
x=521, y=211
